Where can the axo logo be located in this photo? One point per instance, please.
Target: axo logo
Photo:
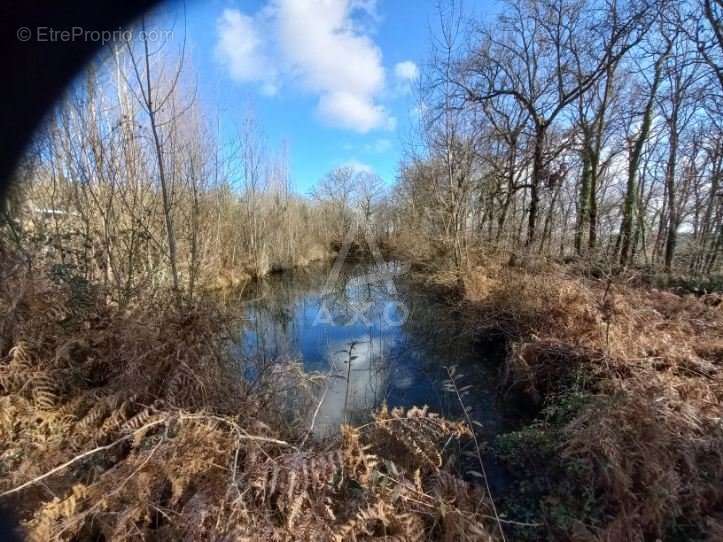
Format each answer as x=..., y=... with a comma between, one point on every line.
x=385, y=304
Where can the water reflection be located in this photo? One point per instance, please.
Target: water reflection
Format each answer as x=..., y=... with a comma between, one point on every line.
x=375, y=342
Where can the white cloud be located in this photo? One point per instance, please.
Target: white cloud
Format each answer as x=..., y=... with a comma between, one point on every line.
x=319, y=38
x=359, y=167
x=405, y=75
x=239, y=47
x=318, y=43
x=348, y=110
x=406, y=71
x=380, y=146
x=368, y=8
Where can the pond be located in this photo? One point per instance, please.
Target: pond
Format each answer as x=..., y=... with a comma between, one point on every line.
x=379, y=336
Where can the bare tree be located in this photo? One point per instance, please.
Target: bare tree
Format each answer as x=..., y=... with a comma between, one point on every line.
x=534, y=56
x=637, y=143
x=153, y=103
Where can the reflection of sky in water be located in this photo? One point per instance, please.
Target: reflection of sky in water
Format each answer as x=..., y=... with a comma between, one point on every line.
x=293, y=316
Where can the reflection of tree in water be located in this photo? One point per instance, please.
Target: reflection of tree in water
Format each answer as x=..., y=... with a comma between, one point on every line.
x=367, y=360
x=433, y=325
x=436, y=330
x=358, y=379
x=358, y=367
x=270, y=312
x=359, y=292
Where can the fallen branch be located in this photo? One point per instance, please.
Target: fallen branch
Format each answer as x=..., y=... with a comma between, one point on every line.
x=316, y=413
x=80, y=458
x=241, y=434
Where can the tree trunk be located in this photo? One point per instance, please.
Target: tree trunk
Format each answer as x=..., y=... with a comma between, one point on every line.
x=584, y=206
x=673, y=220
x=634, y=165
x=538, y=167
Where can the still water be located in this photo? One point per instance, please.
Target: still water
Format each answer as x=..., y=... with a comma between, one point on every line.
x=379, y=336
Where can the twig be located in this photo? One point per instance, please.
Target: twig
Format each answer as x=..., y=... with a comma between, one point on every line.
x=461, y=512
x=80, y=458
x=316, y=413
x=348, y=376
x=477, y=450
x=242, y=434
x=512, y=522
x=391, y=420
x=118, y=489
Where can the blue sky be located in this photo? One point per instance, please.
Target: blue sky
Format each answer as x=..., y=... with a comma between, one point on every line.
x=333, y=79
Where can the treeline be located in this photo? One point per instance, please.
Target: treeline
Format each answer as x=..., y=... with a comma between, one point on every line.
x=572, y=128
x=563, y=128
x=132, y=186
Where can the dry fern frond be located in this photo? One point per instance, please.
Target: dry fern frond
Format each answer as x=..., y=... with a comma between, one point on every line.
x=141, y=428
x=420, y=433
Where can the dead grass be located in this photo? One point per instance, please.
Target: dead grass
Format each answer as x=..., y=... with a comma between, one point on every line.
x=134, y=424
x=650, y=360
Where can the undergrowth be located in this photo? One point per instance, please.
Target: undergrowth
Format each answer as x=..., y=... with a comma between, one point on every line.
x=628, y=442
x=132, y=423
